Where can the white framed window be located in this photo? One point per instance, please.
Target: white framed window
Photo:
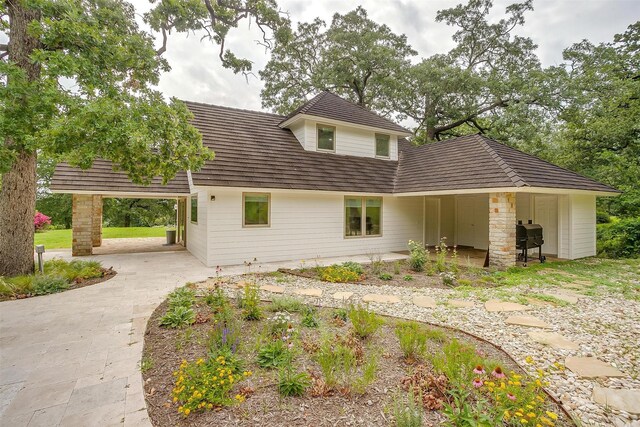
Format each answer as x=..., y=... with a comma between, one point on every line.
x=256, y=209
x=363, y=216
x=326, y=138
x=194, y=209
x=383, y=145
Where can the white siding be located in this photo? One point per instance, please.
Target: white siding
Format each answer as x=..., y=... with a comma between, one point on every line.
x=197, y=233
x=303, y=226
x=583, y=226
x=299, y=131
x=523, y=207
x=447, y=218
x=564, y=230
x=349, y=141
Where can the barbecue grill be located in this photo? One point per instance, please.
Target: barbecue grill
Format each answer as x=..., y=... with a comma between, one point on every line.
x=529, y=236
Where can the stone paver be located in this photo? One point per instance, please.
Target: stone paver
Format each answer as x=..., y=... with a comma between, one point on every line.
x=591, y=367
x=495, y=305
x=342, y=296
x=620, y=399
x=309, y=292
x=530, y=321
x=273, y=289
x=457, y=303
x=424, y=302
x=553, y=339
x=381, y=298
x=565, y=296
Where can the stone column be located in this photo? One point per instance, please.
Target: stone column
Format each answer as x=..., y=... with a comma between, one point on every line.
x=82, y=224
x=502, y=229
x=96, y=218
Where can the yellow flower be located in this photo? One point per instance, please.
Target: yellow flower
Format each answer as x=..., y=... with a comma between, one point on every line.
x=209, y=406
x=552, y=415
x=180, y=409
x=524, y=421
x=529, y=406
x=529, y=360
x=531, y=415
x=546, y=421
x=519, y=414
x=175, y=399
x=187, y=411
x=507, y=414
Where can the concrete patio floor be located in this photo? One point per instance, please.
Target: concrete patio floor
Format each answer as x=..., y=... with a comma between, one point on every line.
x=72, y=359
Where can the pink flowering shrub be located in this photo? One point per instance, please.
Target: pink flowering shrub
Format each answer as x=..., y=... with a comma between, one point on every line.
x=41, y=221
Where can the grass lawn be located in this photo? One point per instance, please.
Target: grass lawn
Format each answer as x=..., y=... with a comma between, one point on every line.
x=56, y=239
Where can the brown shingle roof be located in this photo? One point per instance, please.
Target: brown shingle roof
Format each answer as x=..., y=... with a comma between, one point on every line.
x=331, y=106
x=102, y=177
x=474, y=161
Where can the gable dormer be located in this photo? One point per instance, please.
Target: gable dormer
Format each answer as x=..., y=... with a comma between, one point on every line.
x=330, y=124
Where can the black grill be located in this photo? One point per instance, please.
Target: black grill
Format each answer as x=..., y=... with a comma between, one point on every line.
x=529, y=236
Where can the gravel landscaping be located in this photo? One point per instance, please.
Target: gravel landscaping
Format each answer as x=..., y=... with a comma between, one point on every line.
x=603, y=324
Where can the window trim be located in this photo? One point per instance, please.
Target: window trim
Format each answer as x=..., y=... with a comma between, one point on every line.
x=375, y=148
x=244, y=224
x=335, y=133
x=363, y=224
x=191, y=199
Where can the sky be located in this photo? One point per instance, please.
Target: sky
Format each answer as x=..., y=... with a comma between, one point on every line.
x=197, y=74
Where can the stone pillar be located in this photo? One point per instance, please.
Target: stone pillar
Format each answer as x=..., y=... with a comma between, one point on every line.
x=96, y=218
x=82, y=224
x=502, y=229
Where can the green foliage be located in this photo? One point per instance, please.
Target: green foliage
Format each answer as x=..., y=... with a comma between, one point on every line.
x=412, y=338
x=620, y=239
x=293, y=383
x=418, y=256
x=217, y=299
x=338, y=361
x=456, y=361
x=396, y=267
x=274, y=354
x=602, y=217
x=309, y=318
x=178, y=317
x=407, y=277
x=285, y=303
x=385, y=276
x=73, y=270
x=356, y=267
x=43, y=285
x=182, y=297
x=249, y=302
x=365, y=322
x=406, y=412
x=441, y=256
x=338, y=274
x=224, y=337
x=281, y=325
x=340, y=313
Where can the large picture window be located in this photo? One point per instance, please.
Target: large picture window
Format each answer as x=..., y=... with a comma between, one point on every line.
x=382, y=145
x=194, y=208
x=326, y=138
x=363, y=216
x=256, y=209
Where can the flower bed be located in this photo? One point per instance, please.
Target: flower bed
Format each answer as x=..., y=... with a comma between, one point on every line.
x=251, y=363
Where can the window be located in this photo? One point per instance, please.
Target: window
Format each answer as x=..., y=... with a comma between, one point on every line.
x=194, y=208
x=326, y=138
x=382, y=145
x=256, y=209
x=357, y=208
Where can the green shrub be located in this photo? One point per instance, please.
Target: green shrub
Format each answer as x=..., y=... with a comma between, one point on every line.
x=288, y=304
x=182, y=297
x=413, y=339
x=407, y=277
x=385, y=276
x=418, y=256
x=216, y=299
x=619, y=239
x=177, y=317
x=456, y=361
x=249, y=302
x=602, y=217
x=338, y=274
x=340, y=313
x=281, y=325
x=406, y=412
x=309, y=318
x=74, y=270
x=353, y=266
x=338, y=361
x=396, y=267
x=365, y=322
x=43, y=285
x=293, y=383
x=224, y=336
x=274, y=354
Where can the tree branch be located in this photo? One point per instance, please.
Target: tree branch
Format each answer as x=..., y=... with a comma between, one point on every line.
x=4, y=47
x=163, y=49
x=496, y=104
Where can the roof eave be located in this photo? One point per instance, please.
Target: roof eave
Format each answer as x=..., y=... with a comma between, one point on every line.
x=521, y=189
x=290, y=121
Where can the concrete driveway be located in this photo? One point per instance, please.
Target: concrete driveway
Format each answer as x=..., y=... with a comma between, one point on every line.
x=72, y=359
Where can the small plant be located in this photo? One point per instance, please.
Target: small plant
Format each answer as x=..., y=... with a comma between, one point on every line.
x=41, y=221
x=385, y=276
x=441, y=255
x=365, y=322
x=281, y=326
x=418, y=256
x=216, y=299
x=43, y=285
x=177, y=317
x=353, y=266
x=274, y=355
x=249, y=302
x=396, y=267
x=224, y=336
x=288, y=304
x=338, y=274
x=309, y=318
x=340, y=314
x=376, y=264
x=406, y=412
x=448, y=278
x=413, y=340
x=146, y=363
x=407, y=277
x=182, y=297
x=337, y=361
x=293, y=383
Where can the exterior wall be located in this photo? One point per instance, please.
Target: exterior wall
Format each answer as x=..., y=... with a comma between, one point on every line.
x=96, y=222
x=82, y=225
x=304, y=225
x=523, y=207
x=447, y=218
x=582, y=226
x=197, y=233
x=502, y=230
x=349, y=141
x=564, y=229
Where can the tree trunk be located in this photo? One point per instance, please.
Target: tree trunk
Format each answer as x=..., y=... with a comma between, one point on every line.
x=18, y=192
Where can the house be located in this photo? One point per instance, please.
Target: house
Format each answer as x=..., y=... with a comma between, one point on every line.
x=334, y=179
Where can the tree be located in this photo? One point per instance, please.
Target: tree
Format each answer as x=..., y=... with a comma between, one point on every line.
x=76, y=83
x=601, y=112
x=355, y=58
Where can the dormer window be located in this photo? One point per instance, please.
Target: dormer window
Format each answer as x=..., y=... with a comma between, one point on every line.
x=382, y=145
x=326, y=138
